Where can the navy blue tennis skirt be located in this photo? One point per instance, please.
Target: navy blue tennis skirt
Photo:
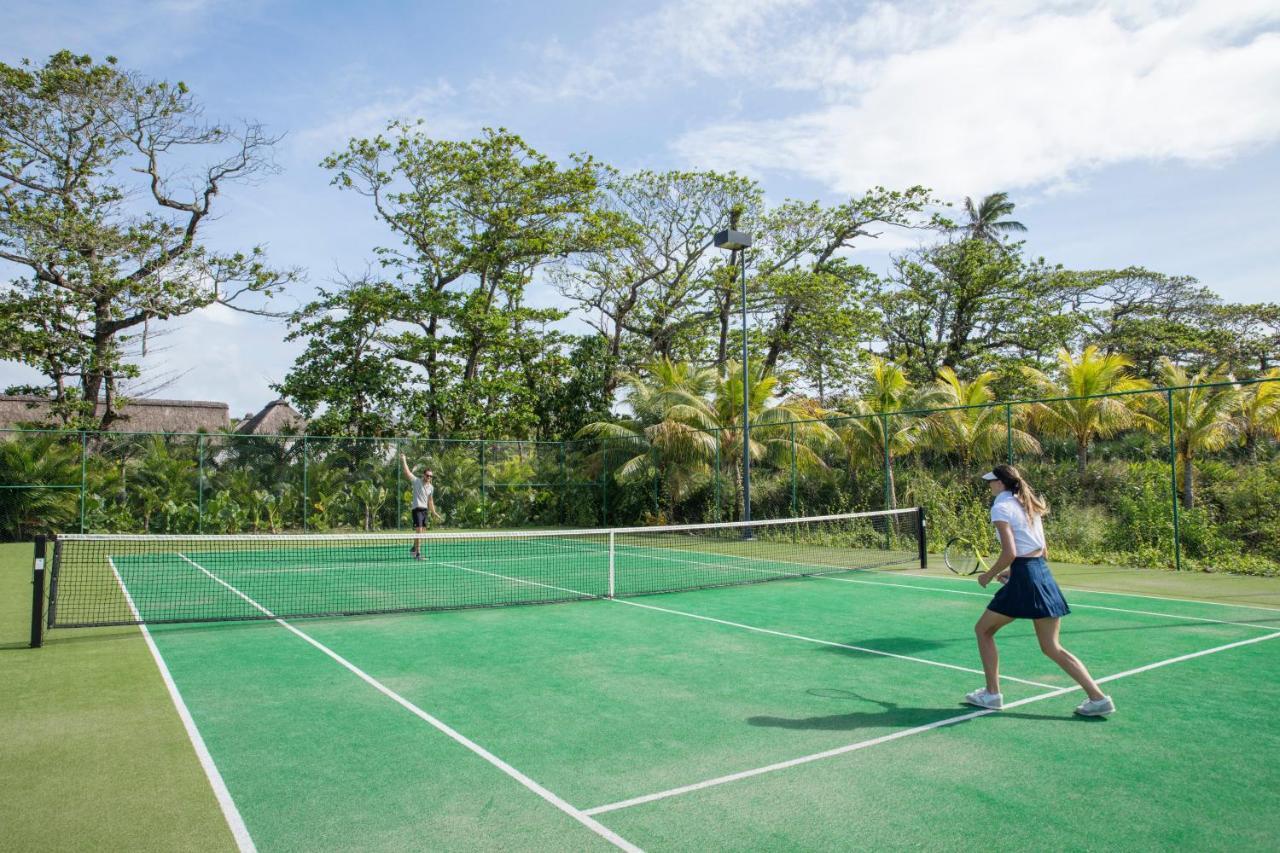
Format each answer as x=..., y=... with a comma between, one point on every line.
x=1031, y=592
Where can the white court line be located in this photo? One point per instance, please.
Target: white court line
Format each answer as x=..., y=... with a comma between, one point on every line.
x=745, y=627
x=949, y=721
x=917, y=574
x=229, y=811
x=578, y=815
x=924, y=588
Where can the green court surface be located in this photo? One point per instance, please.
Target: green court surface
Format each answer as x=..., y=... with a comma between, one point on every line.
x=815, y=713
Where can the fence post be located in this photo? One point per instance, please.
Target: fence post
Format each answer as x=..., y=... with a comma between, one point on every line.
x=887, y=474
x=1173, y=487
x=84, y=466
x=1008, y=431
x=399, y=486
x=484, y=501
x=306, y=503
x=604, y=483
x=37, y=594
x=200, y=485
x=564, y=484
x=793, y=469
x=716, y=477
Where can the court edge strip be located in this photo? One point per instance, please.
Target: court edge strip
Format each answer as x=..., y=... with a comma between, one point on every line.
x=577, y=814
x=745, y=627
x=950, y=721
x=235, y=822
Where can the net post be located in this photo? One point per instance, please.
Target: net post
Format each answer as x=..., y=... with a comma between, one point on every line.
x=37, y=594
x=922, y=537
x=612, y=549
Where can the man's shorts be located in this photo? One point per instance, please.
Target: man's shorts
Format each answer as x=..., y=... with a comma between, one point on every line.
x=419, y=516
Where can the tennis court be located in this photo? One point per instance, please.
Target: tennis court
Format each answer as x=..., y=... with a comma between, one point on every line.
x=665, y=700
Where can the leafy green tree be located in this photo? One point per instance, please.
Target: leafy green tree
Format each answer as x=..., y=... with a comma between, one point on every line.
x=971, y=306
x=1088, y=415
x=648, y=290
x=1150, y=316
x=104, y=210
x=347, y=366
x=1202, y=417
x=808, y=287
x=476, y=219
x=967, y=426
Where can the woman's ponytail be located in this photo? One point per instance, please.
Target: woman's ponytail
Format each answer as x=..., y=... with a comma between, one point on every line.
x=1012, y=479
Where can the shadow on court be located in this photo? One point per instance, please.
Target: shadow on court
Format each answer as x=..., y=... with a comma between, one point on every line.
x=893, y=716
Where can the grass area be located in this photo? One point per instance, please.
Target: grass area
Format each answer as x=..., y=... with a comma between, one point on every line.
x=94, y=754
x=602, y=701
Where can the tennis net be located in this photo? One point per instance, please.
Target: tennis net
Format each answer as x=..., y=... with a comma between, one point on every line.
x=135, y=579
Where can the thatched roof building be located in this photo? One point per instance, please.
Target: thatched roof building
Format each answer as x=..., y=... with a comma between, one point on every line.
x=141, y=415
x=276, y=418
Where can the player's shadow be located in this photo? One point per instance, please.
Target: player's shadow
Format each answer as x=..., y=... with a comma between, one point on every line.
x=889, y=715
x=892, y=645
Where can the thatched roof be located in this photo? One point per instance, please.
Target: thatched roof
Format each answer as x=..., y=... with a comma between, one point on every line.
x=276, y=418
x=142, y=415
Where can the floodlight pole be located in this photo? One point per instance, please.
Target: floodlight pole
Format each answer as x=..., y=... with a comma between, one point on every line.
x=736, y=242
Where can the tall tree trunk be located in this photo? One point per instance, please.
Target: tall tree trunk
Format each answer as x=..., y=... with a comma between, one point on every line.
x=1082, y=457
x=1188, y=489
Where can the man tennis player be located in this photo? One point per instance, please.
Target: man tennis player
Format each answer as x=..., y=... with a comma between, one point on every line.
x=423, y=503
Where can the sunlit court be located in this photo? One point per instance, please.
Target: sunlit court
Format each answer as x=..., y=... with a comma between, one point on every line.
x=678, y=426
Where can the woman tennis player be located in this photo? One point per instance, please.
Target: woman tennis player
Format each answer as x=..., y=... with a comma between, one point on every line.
x=1029, y=592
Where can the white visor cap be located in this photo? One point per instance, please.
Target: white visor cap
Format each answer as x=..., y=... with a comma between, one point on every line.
x=990, y=475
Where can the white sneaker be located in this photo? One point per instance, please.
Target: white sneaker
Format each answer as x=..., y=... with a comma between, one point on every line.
x=985, y=699
x=1096, y=707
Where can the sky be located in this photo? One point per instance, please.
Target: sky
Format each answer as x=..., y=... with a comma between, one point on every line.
x=1135, y=132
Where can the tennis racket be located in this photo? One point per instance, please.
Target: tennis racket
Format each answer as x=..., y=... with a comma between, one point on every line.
x=963, y=557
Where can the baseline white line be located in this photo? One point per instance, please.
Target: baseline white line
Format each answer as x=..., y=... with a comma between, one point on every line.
x=577, y=814
x=741, y=625
x=1081, y=606
x=917, y=574
x=949, y=721
x=235, y=822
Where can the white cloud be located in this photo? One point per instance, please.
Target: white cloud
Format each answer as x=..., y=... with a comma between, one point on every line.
x=428, y=101
x=1012, y=95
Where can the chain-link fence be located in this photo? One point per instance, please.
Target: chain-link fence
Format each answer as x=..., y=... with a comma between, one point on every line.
x=1181, y=477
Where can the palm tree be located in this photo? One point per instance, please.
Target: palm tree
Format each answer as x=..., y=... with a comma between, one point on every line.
x=1202, y=417
x=681, y=424
x=655, y=443
x=878, y=434
x=984, y=218
x=967, y=426
x=1258, y=411
x=1088, y=415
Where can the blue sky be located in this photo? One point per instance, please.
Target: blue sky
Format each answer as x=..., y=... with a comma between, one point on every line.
x=1131, y=132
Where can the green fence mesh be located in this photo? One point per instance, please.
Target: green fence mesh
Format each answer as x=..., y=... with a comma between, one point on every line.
x=1185, y=477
